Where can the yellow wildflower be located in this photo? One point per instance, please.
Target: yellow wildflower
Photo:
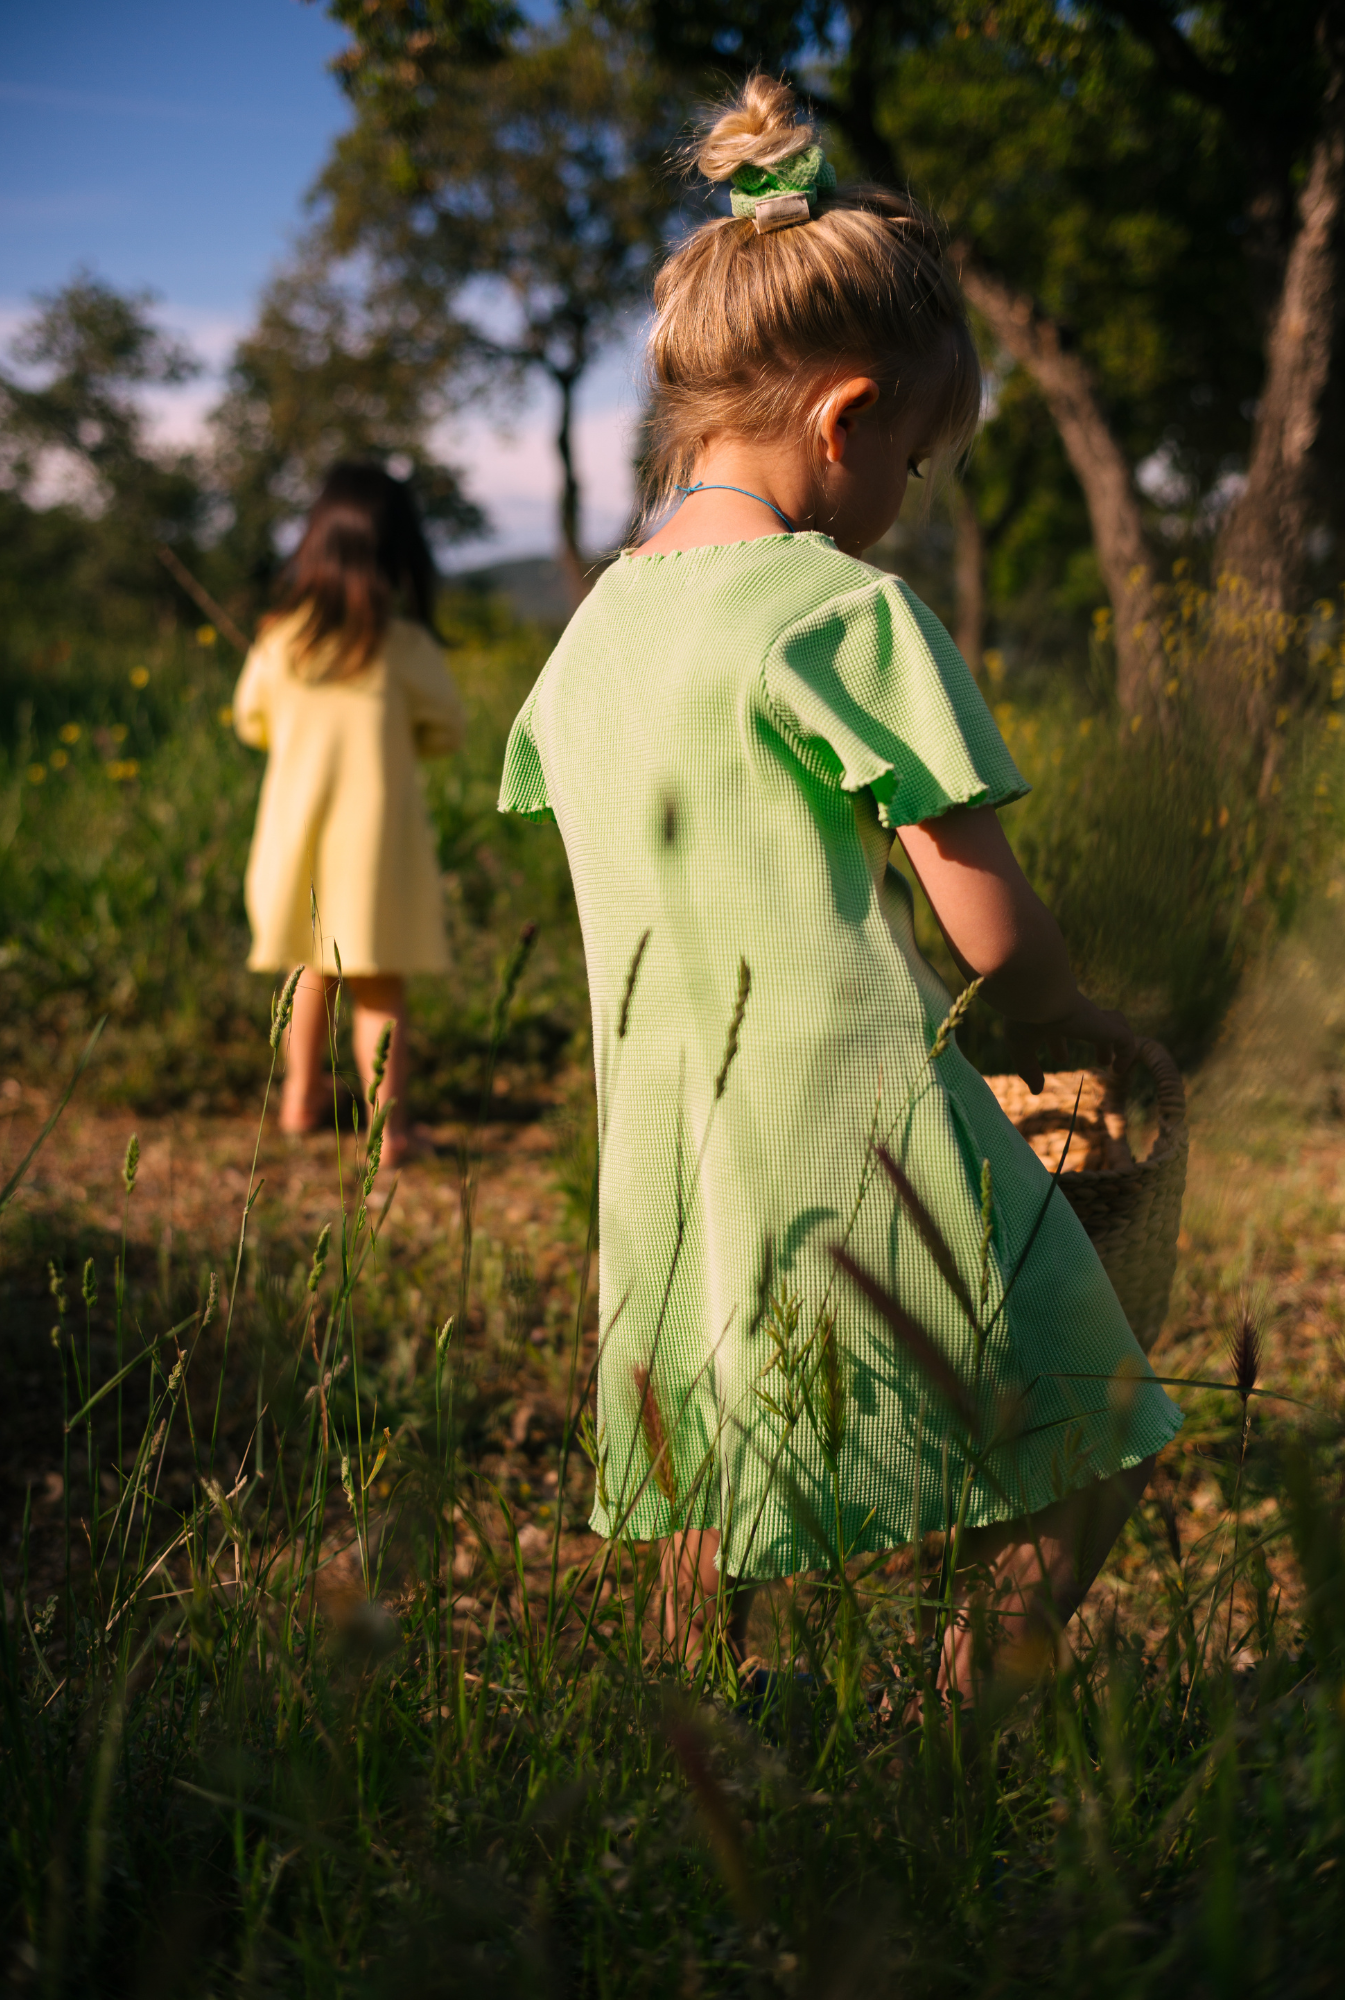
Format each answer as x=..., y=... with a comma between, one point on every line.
x=36, y=773
x=69, y=732
x=59, y=759
x=206, y=635
x=139, y=677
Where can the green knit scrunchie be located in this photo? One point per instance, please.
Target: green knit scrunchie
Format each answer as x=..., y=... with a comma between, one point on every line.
x=802, y=173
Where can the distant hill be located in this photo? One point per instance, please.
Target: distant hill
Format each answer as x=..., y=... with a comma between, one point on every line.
x=533, y=586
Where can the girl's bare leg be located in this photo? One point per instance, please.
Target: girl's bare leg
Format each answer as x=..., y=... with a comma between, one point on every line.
x=695, y=1596
x=378, y=1000
x=1039, y=1570
x=305, y=1045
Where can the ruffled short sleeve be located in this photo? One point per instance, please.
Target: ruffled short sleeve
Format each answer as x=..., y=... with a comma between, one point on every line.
x=874, y=693
x=523, y=783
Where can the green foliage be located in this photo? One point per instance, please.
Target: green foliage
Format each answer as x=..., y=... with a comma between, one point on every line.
x=528, y=159
x=322, y=377
x=72, y=413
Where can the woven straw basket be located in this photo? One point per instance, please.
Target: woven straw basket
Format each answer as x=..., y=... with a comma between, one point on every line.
x=1131, y=1209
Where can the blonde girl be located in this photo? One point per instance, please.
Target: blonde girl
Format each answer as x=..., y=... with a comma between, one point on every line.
x=740, y=731
x=344, y=689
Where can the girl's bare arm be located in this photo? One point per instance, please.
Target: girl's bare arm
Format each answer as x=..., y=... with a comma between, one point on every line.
x=998, y=929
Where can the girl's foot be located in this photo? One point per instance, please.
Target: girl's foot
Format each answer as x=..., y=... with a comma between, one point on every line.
x=302, y=1115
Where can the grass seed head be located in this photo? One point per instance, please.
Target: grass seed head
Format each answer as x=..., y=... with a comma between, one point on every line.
x=655, y=1437
x=948, y=1026
x=1244, y=1350
x=130, y=1166
x=211, y=1301
x=282, y=1008
x=89, y=1284
x=509, y=978
x=320, y=1257
x=374, y=1155
x=735, y=1026
x=380, y=1062
x=987, y=1230
x=835, y=1390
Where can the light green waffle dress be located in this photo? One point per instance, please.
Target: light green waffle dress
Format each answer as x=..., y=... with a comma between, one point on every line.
x=725, y=737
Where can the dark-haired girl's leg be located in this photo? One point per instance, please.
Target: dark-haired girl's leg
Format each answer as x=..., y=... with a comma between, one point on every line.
x=303, y=1106
x=380, y=999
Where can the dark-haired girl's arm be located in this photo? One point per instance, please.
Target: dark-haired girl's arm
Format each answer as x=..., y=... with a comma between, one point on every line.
x=438, y=717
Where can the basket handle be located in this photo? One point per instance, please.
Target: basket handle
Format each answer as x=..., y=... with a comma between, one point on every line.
x=1167, y=1076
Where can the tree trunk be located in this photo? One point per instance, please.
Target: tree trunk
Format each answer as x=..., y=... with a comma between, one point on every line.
x=969, y=580
x=572, y=562
x=1260, y=552
x=1101, y=469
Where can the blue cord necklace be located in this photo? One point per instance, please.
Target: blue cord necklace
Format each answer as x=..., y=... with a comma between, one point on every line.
x=713, y=486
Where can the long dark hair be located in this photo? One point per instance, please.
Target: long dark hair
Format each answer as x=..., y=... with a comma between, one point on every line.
x=362, y=550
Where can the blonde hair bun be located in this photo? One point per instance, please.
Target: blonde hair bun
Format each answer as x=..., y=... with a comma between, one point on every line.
x=751, y=324
x=759, y=129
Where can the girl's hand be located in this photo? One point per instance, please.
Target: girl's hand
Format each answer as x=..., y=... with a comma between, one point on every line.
x=1110, y=1034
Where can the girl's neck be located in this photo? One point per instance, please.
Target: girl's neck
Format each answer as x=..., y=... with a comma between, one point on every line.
x=770, y=477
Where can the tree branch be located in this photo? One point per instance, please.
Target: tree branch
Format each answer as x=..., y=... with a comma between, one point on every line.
x=1099, y=465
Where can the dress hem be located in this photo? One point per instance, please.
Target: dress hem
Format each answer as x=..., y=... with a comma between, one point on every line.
x=880, y=1538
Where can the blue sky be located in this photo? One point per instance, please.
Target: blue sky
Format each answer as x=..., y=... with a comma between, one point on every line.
x=164, y=142
x=168, y=145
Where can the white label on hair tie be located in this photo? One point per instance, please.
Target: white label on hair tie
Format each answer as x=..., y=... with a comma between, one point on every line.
x=777, y=211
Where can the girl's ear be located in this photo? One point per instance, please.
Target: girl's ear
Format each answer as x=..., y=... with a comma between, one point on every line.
x=839, y=412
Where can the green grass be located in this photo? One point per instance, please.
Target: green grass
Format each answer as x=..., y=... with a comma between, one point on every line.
x=234, y=1759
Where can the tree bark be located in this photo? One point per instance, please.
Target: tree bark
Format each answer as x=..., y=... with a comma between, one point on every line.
x=577, y=579
x=1260, y=550
x=969, y=580
x=1099, y=465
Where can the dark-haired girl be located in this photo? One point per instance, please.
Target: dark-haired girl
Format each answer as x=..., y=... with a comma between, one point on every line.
x=345, y=688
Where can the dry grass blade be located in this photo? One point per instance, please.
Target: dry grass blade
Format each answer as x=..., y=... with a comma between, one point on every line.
x=913, y=1338
x=721, y=1822
x=8, y=1191
x=637, y=959
x=929, y=1230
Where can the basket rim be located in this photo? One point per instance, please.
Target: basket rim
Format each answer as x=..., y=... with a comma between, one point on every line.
x=1173, y=1138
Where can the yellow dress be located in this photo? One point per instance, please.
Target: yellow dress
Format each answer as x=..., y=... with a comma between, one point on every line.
x=341, y=815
